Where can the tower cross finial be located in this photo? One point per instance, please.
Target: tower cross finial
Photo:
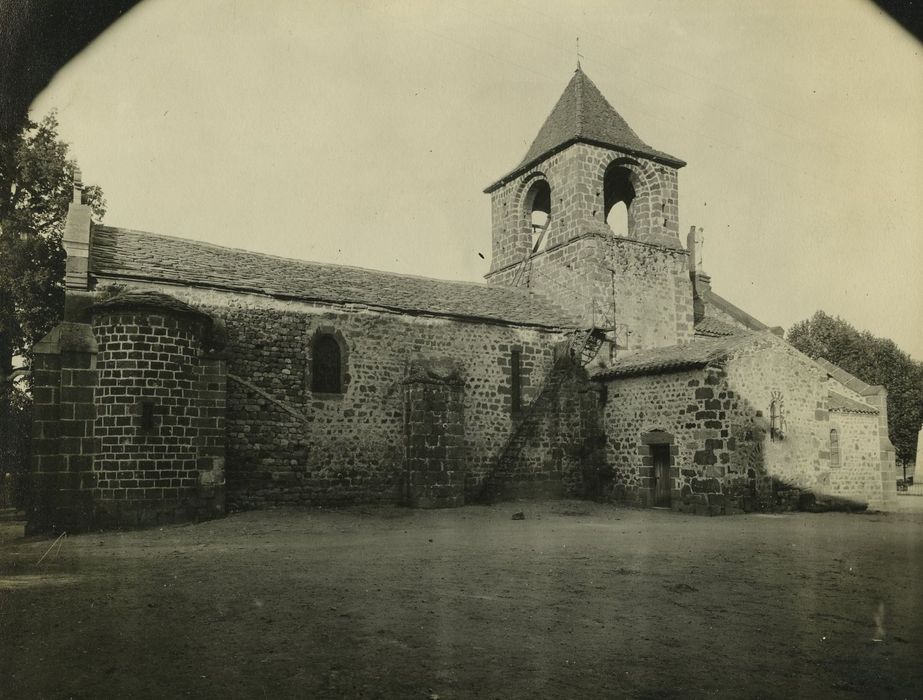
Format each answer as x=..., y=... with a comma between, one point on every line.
x=578, y=53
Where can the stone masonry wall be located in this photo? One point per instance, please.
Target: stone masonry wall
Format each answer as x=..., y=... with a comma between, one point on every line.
x=769, y=364
x=803, y=457
x=888, y=465
x=557, y=443
x=572, y=275
x=643, y=289
x=97, y=461
x=859, y=473
x=434, y=411
x=211, y=440
x=148, y=423
x=719, y=420
x=286, y=444
x=652, y=294
x=63, y=446
x=691, y=407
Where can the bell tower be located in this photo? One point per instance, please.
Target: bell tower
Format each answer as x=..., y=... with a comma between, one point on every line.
x=590, y=217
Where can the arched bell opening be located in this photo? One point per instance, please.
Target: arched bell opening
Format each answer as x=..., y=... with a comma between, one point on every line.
x=538, y=213
x=618, y=196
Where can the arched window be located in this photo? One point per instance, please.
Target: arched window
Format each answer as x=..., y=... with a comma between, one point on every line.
x=326, y=365
x=834, y=449
x=618, y=194
x=777, y=417
x=538, y=209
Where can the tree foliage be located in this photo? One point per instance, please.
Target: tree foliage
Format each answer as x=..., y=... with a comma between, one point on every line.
x=874, y=361
x=15, y=436
x=36, y=186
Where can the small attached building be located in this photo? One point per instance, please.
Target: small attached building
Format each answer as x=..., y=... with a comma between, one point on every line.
x=738, y=422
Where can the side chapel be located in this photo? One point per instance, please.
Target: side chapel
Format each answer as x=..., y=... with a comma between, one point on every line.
x=189, y=378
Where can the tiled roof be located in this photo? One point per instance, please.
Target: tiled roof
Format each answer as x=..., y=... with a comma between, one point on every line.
x=583, y=114
x=675, y=357
x=846, y=379
x=735, y=312
x=133, y=255
x=713, y=328
x=836, y=402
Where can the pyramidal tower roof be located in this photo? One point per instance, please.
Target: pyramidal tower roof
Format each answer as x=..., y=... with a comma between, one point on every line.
x=582, y=114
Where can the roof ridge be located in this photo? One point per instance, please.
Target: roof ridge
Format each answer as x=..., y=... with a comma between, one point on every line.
x=578, y=89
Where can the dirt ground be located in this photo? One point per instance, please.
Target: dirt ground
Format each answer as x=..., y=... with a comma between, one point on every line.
x=578, y=600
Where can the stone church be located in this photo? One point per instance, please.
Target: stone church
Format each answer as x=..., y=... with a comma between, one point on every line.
x=188, y=379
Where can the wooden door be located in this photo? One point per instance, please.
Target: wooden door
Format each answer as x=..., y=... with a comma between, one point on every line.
x=661, y=474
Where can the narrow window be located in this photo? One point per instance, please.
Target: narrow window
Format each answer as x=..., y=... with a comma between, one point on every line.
x=326, y=365
x=834, y=449
x=516, y=380
x=776, y=417
x=147, y=416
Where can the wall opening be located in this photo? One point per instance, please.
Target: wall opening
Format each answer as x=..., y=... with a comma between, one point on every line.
x=147, y=416
x=516, y=381
x=834, y=449
x=326, y=365
x=618, y=194
x=661, y=479
x=777, y=417
x=658, y=449
x=538, y=213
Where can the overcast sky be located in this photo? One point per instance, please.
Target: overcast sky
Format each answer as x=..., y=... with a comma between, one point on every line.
x=364, y=133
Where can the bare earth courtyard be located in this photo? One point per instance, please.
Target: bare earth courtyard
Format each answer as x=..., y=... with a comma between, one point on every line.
x=577, y=600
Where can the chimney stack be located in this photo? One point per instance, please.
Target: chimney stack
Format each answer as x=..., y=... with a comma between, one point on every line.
x=78, y=187
x=701, y=282
x=694, y=243
x=77, y=239
x=690, y=246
